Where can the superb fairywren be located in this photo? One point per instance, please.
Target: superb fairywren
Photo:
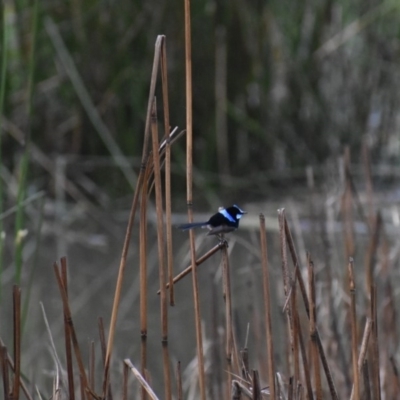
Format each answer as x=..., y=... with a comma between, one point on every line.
x=225, y=220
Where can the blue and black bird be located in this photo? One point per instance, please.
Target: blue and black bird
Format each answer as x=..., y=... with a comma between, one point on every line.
x=224, y=221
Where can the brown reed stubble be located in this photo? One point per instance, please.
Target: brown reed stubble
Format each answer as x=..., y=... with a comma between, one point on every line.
x=298, y=278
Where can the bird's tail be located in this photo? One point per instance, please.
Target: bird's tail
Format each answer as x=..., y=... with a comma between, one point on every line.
x=185, y=227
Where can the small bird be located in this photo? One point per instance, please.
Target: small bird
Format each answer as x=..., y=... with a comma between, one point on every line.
x=224, y=221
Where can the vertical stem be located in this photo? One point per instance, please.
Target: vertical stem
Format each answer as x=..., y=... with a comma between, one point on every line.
x=17, y=340
x=143, y=276
x=353, y=319
x=168, y=223
x=189, y=195
x=67, y=333
x=313, y=330
x=161, y=250
x=228, y=318
x=267, y=306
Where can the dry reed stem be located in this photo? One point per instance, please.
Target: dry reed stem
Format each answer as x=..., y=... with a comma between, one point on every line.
x=161, y=252
x=306, y=365
x=228, y=317
x=368, y=183
x=103, y=348
x=92, y=371
x=372, y=250
x=125, y=382
x=363, y=349
x=367, y=385
x=124, y=255
x=199, y=261
x=216, y=359
x=286, y=281
x=17, y=340
x=256, y=389
x=313, y=330
x=71, y=328
x=267, y=308
x=5, y=370
x=347, y=207
x=143, y=272
x=141, y=379
x=364, y=343
x=282, y=237
x=168, y=197
x=324, y=361
x=179, y=381
x=375, y=345
x=295, y=332
x=67, y=334
x=189, y=194
x=396, y=385
x=353, y=322
x=7, y=365
x=168, y=207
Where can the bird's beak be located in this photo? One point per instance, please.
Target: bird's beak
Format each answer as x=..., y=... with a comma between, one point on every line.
x=244, y=212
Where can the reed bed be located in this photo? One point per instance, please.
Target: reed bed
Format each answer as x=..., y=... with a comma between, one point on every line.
x=313, y=337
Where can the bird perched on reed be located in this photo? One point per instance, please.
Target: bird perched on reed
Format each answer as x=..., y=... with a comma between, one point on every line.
x=224, y=221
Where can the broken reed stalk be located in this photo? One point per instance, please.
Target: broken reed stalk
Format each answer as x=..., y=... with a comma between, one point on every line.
x=124, y=255
x=267, y=308
x=228, y=318
x=299, y=277
x=161, y=251
x=141, y=379
x=189, y=196
x=67, y=333
x=347, y=207
x=17, y=340
x=168, y=207
x=199, y=261
x=353, y=322
x=313, y=330
x=68, y=320
x=125, y=383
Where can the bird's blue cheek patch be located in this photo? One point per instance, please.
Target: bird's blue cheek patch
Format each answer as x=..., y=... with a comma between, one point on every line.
x=238, y=216
x=227, y=215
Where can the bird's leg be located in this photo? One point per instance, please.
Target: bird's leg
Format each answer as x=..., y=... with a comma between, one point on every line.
x=222, y=240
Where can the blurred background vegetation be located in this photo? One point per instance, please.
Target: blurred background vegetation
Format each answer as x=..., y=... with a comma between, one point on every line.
x=277, y=86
